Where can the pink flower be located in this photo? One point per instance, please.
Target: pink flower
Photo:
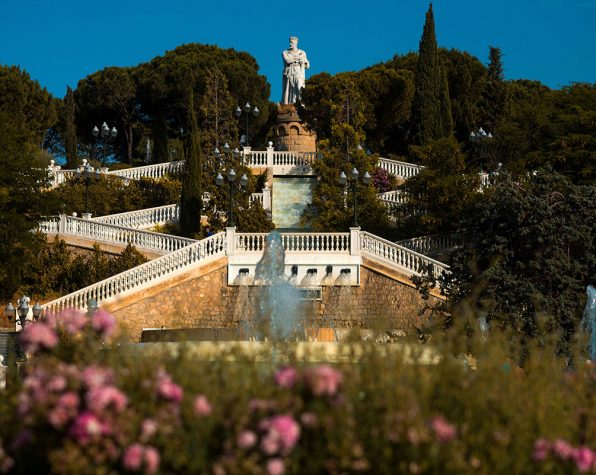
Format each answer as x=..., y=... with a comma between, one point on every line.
x=309, y=419
x=541, y=450
x=103, y=322
x=444, y=431
x=57, y=384
x=66, y=408
x=133, y=457
x=202, y=406
x=275, y=467
x=286, y=377
x=95, y=376
x=168, y=390
x=38, y=336
x=323, y=380
x=270, y=444
x=72, y=320
x=584, y=458
x=283, y=431
x=563, y=449
x=246, y=439
x=102, y=397
x=148, y=429
x=87, y=427
x=151, y=460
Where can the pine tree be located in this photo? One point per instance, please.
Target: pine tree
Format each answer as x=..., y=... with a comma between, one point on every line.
x=70, y=132
x=217, y=112
x=431, y=111
x=191, y=203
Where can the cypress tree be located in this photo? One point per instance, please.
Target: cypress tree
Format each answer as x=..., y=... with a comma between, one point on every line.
x=191, y=203
x=495, y=93
x=431, y=111
x=70, y=133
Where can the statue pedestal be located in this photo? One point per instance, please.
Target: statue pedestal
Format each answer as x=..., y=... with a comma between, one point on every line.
x=289, y=134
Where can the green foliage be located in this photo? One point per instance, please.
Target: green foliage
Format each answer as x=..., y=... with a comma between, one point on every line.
x=217, y=112
x=340, y=153
x=431, y=108
x=531, y=254
x=495, y=94
x=31, y=108
x=22, y=201
x=111, y=195
x=51, y=270
x=439, y=195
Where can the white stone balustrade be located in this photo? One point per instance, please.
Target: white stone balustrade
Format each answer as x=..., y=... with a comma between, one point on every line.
x=155, y=171
x=295, y=242
x=432, y=245
x=404, y=170
x=397, y=197
x=112, y=234
x=142, y=275
x=144, y=218
x=409, y=260
x=256, y=197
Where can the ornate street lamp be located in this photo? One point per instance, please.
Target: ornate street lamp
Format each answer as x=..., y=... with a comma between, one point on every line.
x=343, y=179
x=225, y=153
x=89, y=174
x=19, y=314
x=231, y=178
x=248, y=112
x=102, y=136
x=481, y=137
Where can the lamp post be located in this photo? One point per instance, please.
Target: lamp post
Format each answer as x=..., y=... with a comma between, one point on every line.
x=225, y=152
x=343, y=179
x=480, y=136
x=88, y=173
x=102, y=135
x=248, y=112
x=19, y=314
x=231, y=178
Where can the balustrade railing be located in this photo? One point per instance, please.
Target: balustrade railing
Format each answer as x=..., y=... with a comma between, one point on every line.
x=256, y=158
x=60, y=176
x=398, y=255
x=432, y=245
x=296, y=242
x=395, y=196
x=203, y=250
x=258, y=197
x=155, y=171
x=294, y=158
x=402, y=169
x=113, y=234
x=144, y=218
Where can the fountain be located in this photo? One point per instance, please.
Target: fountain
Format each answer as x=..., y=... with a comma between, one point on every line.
x=278, y=308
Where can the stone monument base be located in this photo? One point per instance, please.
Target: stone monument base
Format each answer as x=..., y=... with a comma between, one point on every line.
x=289, y=134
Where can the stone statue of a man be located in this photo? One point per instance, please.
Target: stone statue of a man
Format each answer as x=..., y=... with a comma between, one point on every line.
x=295, y=63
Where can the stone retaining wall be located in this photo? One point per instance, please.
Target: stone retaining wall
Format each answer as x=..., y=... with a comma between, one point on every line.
x=380, y=302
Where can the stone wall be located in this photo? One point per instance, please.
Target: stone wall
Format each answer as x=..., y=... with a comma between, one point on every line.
x=206, y=301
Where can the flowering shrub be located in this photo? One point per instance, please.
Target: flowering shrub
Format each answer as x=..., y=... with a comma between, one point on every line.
x=87, y=406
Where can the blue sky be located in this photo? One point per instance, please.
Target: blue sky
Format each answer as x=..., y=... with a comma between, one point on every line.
x=59, y=42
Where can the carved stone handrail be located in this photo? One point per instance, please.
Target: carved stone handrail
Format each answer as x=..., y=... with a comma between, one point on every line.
x=112, y=234
x=143, y=218
x=412, y=261
x=401, y=169
x=144, y=274
x=155, y=171
x=432, y=245
x=295, y=242
x=393, y=197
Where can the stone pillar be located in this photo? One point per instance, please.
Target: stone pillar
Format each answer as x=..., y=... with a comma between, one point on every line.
x=355, y=241
x=230, y=241
x=267, y=199
x=86, y=215
x=269, y=154
x=62, y=224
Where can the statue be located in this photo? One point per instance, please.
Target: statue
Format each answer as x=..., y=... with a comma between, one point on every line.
x=295, y=63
